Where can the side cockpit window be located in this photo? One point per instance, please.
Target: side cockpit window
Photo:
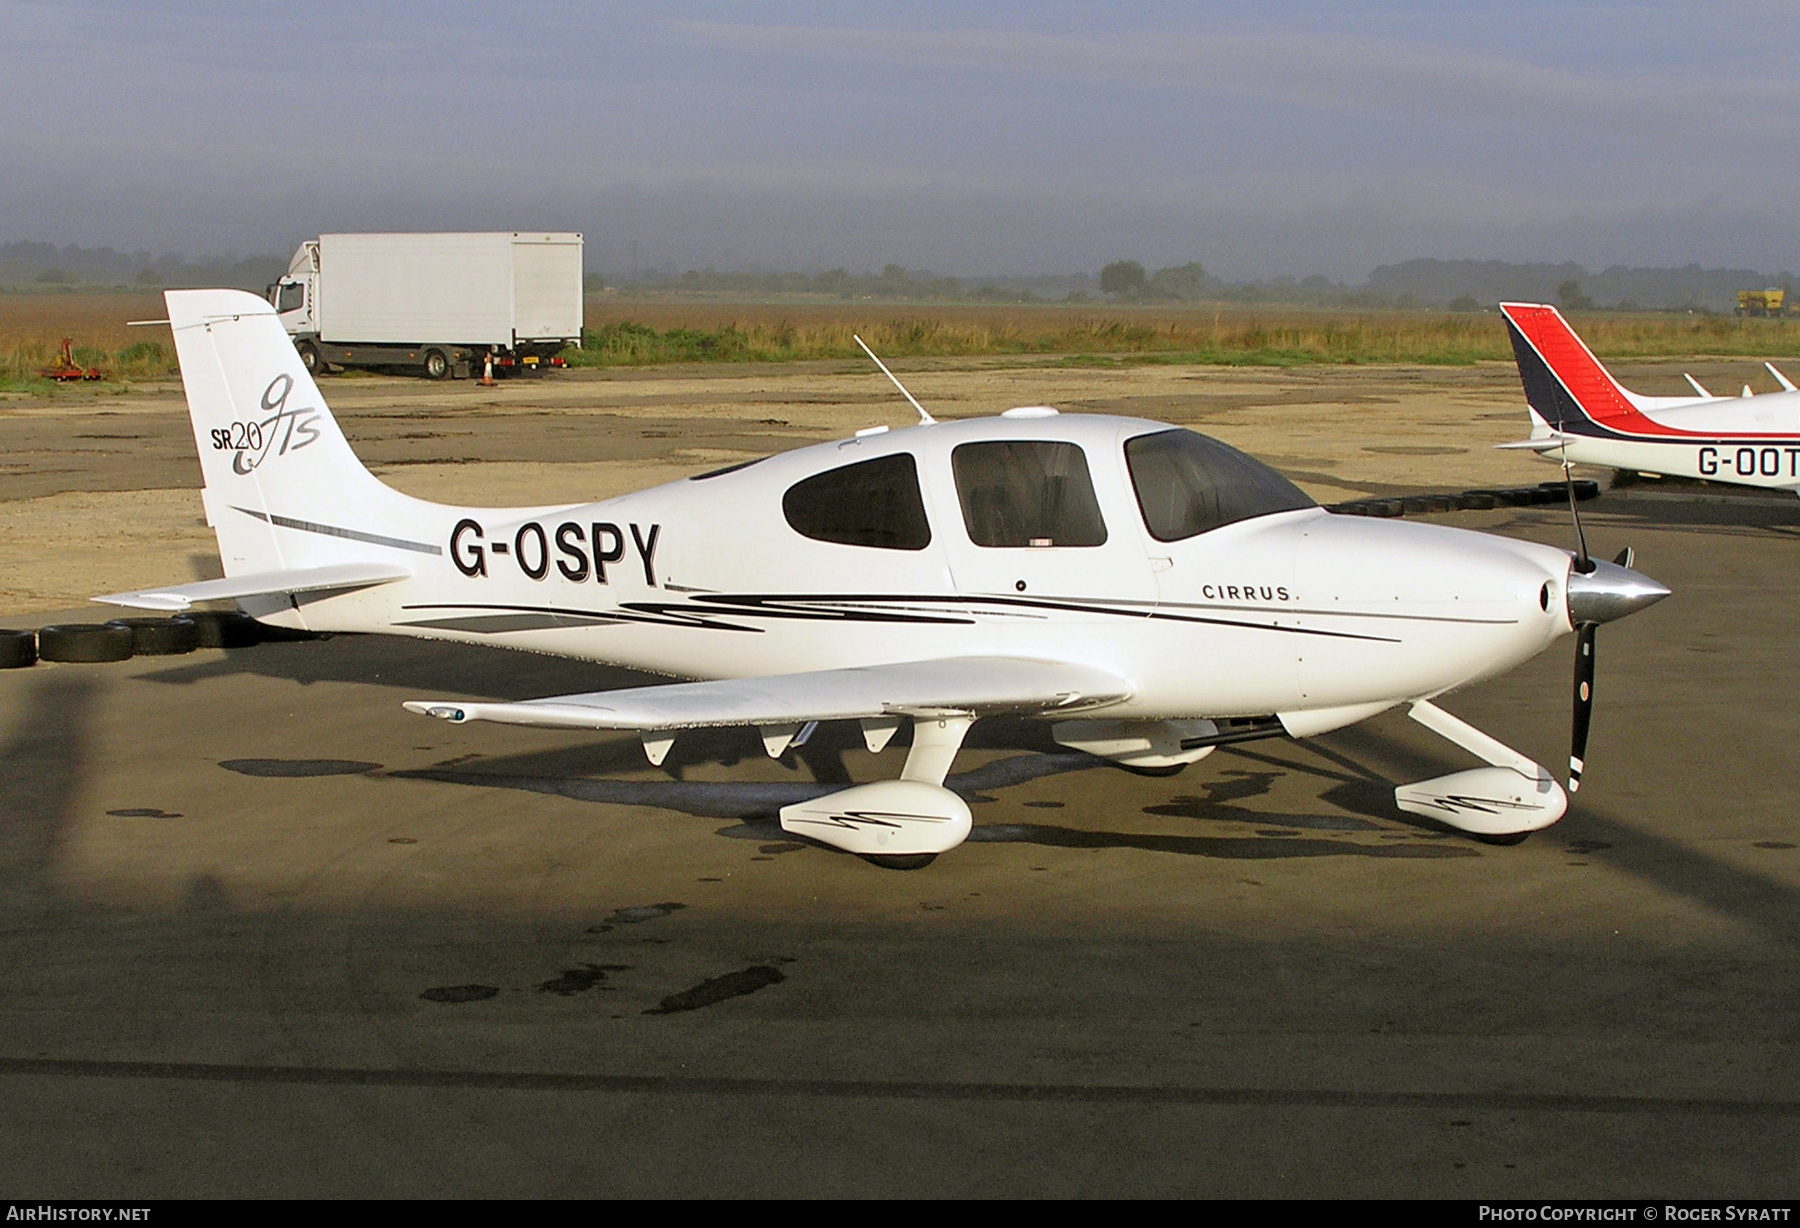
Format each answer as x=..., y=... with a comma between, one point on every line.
x=1027, y=492
x=871, y=503
x=1188, y=484
x=290, y=297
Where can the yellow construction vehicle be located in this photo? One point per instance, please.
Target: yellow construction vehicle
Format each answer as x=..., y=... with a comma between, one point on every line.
x=1760, y=302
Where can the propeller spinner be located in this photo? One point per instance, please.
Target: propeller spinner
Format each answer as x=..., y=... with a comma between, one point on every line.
x=1601, y=593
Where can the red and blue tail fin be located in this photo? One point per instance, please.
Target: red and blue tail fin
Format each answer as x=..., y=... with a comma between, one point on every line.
x=1564, y=383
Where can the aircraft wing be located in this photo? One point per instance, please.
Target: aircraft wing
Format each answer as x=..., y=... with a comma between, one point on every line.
x=263, y=584
x=977, y=685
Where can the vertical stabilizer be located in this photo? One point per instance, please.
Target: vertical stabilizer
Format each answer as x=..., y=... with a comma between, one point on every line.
x=284, y=490
x=1564, y=383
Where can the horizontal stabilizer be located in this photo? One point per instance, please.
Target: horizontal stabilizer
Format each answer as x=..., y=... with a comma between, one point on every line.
x=179, y=597
x=979, y=685
x=1549, y=444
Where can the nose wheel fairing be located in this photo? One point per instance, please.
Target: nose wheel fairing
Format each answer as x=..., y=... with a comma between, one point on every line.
x=1489, y=801
x=1513, y=795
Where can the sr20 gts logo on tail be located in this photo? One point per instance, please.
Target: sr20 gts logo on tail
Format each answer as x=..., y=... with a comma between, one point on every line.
x=252, y=441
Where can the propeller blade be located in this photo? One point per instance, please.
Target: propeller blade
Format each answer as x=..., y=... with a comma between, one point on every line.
x=1626, y=558
x=1583, y=563
x=1584, y=701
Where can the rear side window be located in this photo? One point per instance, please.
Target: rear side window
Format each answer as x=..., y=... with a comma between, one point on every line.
x=1187, y=484
x=1027, y=492
x=871, y=503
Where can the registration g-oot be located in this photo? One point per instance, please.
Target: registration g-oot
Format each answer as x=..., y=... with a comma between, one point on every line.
x=1153, y=593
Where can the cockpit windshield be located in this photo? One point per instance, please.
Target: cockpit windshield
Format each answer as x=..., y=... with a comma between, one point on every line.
x=1188, y=484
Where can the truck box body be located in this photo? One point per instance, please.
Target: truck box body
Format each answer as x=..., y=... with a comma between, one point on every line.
x=394, y=299
x=468, y=289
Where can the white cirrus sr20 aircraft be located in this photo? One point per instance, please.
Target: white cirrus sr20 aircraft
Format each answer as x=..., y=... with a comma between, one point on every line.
x=1581, y=415
x=1152, y=592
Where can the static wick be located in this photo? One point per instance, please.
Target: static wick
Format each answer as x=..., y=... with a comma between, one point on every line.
x=924, y=417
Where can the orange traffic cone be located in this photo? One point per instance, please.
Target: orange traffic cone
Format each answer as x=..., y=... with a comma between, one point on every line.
x=487, y=370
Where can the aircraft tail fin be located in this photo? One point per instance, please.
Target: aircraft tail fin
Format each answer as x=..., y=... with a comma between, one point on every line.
x=1565, y=384
x=284, y=490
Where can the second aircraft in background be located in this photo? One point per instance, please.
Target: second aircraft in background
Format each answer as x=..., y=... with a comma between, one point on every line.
x=1581, y=415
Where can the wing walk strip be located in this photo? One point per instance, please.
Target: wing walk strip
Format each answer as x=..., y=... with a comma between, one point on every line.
x=896, y=1089
x=709, y=616
x=329, y=530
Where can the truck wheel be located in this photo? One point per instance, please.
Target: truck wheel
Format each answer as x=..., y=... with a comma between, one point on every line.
x=309, y=358
x=437, y=364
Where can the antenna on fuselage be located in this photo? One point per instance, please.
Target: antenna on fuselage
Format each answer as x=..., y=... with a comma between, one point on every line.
x=924, y=417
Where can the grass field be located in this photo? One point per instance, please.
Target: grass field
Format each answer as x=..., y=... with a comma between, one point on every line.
x=649, y=331
x=645, y=332
x=32, y=327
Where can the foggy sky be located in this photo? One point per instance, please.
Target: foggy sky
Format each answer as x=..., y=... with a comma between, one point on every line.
x=1258, y=139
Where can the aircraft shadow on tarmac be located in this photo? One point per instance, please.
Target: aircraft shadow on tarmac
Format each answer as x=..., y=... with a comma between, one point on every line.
x=1356, y=817
x=1703, y=511
x=1209, y=796
x=406, y=664
x=45, y=763
x=416, y=666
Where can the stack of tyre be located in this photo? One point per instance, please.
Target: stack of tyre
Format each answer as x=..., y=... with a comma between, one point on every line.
x=124, y=638
x=1469, y=500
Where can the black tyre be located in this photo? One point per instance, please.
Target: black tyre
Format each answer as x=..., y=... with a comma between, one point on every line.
x=900, y=861
x=436, y=365
x=17, y=649
x=160, y=637
x=310, y=358
x=84, y=642
x=224, y=629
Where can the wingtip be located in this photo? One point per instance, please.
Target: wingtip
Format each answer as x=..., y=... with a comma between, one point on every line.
x=439, y=709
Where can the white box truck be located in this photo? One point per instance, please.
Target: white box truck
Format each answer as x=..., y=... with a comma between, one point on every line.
x=439, y=304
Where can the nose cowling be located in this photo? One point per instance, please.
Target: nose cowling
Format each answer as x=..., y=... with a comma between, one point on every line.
x=1609, y=591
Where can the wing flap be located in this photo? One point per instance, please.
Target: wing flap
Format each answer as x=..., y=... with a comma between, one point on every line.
x=179, y=597
x=980, y=685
